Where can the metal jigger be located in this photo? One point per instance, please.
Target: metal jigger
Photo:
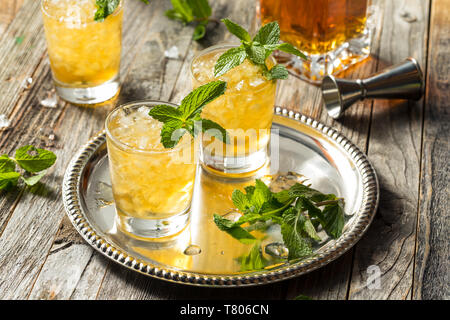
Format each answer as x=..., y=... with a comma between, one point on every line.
x=401, y=81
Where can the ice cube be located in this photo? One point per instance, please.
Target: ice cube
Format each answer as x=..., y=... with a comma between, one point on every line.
x=50, y=102
x=4, y=121
x=172, y=53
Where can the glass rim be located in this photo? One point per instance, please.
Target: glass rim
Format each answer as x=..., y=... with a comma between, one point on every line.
x=126, y=147
x=227, y=46
x=116, y=12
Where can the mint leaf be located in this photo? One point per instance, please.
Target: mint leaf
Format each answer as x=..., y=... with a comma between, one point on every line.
x=8, y=179
x=256, y=53
x=260, y=195
x=289, y=48
x=200, y=8
x=235, y=231
x=171, y=133
x=33, y=159
x=298, y=190
x=199, y=31
x=254, y=260
x=105, y=8
x=175, y=15
x=179, y=120
x=164, y=113
x=182, y=10
x=7, y=164
x=229, y=60
x=214, y=129
x=193, y=103
x=283, y=196
x=240, y=200
x=33, y=179
x=237, y=30
x=268, y=34
x=277, y=72
x=256, y=50
x=188, y=11
x=293, y=234
x=333, y=219
x=309, y=229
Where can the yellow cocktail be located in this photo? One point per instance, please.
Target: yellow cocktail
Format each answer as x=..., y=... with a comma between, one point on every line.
x=245, y=110
x=84, y=54
x=152, y=186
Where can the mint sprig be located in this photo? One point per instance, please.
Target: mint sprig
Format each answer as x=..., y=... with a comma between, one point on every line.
x=298, y=210
x=187, y=117
x=187, y=11
x=32, y=160
x=106, y=8
x=265, y=42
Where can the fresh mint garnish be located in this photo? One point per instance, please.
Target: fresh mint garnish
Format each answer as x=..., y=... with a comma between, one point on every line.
x=8, y=179
x=106, y=8
x=187, y=11
x=298, y=210
x=185, y=118
x=257, y=50
x=254, y=260
x=32, y=160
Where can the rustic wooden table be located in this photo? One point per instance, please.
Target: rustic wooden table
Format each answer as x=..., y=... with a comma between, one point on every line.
x=43, y=257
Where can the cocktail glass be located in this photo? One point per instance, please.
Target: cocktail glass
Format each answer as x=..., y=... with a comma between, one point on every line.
x=152, y=186
x=245, y=111
x=84, y=54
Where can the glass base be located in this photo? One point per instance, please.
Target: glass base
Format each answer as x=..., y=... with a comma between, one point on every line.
x=88, y=95
x=154, y=228
x=234, y=165
x=320, y=65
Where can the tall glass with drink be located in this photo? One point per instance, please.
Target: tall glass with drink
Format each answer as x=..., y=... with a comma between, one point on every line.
x=245, y=111
x=84, y=54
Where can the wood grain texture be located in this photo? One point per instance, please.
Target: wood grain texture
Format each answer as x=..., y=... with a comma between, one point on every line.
x=8, y=10
x=394, y=149
x=432, y=269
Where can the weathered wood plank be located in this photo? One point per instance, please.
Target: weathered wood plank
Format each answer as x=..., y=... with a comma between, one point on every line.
x=394, y=149
x=8, y=10
x=19, y=59
x=432, y=270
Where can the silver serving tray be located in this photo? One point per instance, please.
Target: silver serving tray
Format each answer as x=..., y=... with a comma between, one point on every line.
x=332, y=163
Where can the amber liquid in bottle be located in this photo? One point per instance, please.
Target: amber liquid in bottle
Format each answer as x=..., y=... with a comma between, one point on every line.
x=316, y=27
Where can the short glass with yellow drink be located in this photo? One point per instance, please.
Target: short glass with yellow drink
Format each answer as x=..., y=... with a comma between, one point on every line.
x=84, y=54
x=152, y=185
x=245, y=111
